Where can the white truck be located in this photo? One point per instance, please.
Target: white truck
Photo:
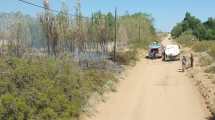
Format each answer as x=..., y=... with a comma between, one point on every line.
x=171, y=52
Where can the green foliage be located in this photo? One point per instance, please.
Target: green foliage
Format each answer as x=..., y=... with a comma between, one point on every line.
x=177, y=30
x=210, y=34
x=187, y=38
x=139, y=30
x=46, y=88
x=210, y=24
x=14, y=108
x=201, y=30
x=201, y=46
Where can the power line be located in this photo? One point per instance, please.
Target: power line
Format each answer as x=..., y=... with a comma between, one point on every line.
x=42, y=7
x=36, y=5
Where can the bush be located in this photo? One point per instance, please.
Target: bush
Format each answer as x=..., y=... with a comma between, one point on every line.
x=14, y=108
x=126, y=58
x=46, y=88
x=200, y=47
x=186, y=39
x=205, y=60
x=205, y=46
x=211, y=51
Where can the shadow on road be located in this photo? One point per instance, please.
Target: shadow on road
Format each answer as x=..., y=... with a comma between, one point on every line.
x=180, y=70
x=156, y=58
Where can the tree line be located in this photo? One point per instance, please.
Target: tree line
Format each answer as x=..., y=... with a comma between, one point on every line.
x=202, y=30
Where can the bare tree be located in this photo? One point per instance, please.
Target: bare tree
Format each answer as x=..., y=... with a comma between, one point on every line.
x=49, y=24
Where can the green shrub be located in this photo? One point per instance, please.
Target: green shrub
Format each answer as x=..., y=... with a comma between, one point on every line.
x=14, y=108
x=46, y=88
x=186, y=39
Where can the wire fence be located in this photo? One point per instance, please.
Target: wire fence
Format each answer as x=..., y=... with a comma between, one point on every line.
x=84, y=38
x=59, y=33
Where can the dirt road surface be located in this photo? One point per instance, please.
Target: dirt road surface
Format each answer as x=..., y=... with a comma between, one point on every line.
x=153, y=90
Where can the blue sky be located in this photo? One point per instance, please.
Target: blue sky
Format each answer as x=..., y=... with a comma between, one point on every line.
x=165, y=12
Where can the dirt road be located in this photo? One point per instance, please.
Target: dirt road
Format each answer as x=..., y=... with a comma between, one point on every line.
x=153, y=90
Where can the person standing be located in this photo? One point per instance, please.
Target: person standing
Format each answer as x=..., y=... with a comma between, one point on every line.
x=183, y=62
x=191, y=60
x=163, y=52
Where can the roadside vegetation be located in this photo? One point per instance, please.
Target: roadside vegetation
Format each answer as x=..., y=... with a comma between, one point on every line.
x=46, y=88
x=136, y=31
x=205, y=48
x=50, y=65
x=200, y=38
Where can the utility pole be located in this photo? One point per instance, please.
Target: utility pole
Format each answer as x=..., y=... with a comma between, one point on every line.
x=115, y=37
x=46, y=4
x=78, y=13
x=92, y=19
x=139, y=31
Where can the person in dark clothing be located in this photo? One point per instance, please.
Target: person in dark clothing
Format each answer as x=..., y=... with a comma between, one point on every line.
x=153, y=54
x=191, y=60
x=163, y=55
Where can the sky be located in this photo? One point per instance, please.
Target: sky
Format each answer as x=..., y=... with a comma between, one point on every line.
x=165, y=12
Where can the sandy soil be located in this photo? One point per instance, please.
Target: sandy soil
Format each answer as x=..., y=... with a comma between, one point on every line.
x=153, y=90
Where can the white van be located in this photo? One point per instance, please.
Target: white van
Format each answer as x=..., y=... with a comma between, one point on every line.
x=171, y=52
